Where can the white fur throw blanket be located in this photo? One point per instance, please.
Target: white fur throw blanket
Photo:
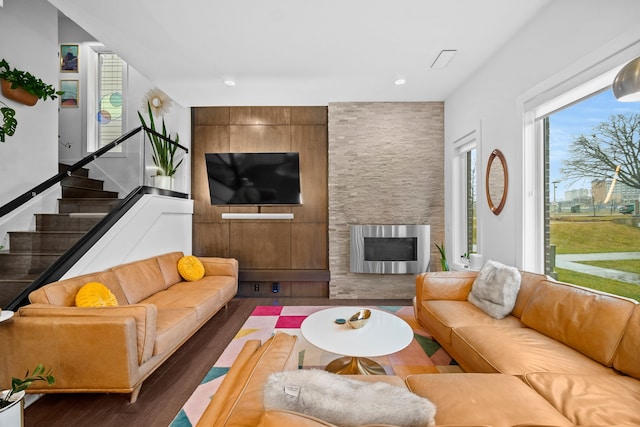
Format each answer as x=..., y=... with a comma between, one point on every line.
x=346, y=402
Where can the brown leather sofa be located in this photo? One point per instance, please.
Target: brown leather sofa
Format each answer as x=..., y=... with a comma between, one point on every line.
x=577, y=348
x=566, y=356
x=461, y=399
x=113, y=349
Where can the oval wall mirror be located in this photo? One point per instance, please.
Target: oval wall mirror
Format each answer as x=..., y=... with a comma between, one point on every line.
x=497, y=181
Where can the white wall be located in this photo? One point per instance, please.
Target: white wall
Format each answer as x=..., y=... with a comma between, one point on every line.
x=566, y=37
x=153, y=226
x=119, y=171
x=29, y=34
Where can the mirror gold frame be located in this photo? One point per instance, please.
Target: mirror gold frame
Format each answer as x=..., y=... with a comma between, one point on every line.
x=497, y=181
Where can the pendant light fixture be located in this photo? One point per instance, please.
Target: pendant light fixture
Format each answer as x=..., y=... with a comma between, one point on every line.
x=626, y=84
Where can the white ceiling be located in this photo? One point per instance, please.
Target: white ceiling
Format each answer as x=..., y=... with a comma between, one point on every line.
x=302, y=52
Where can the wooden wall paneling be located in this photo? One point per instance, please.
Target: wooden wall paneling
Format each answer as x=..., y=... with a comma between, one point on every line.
x=309, y=116
x=203, y=116
x=263, y=289
x=309, y=246
x=206, y=139
x=211, y=239
x=262, y=139
x=260, y=116
x=311, y=143
x=264, y=244
x=310, y=289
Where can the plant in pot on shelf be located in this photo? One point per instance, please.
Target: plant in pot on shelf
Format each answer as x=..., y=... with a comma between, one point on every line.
x=10, y=400
x=163, y=152
x=20, y=86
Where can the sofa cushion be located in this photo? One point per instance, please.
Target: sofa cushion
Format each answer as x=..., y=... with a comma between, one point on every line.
x=440, y=317
x=226, y=286
x=589, y=321
x=528, y=284
x=190, y=268
x=493, y=399
x=173, y=326
x=590, y=399
x=627, y=358
x=63, y=292
x=516, y=351
x=140, y=279
x=495, y=289
x=168, y=264
x=241, y=402
x=203, y=301
x=349, y=402
x=95, y=294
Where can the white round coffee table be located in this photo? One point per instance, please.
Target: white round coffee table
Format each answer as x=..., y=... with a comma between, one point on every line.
x=383, y=334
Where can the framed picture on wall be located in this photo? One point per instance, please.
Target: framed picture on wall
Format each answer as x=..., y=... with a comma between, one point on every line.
x=70, y=97
x=68, y=58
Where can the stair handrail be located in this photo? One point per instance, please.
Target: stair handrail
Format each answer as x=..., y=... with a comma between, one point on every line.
x=45, y=185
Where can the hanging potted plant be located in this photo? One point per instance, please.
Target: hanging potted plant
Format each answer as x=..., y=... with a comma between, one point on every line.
x=11, y=401
x=23, y=87
x=163, y=152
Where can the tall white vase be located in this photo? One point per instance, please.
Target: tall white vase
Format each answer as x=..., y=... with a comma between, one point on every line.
x=163, y=181
x=13, y=415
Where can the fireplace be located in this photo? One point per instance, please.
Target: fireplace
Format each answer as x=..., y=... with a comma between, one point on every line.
x=389, y=249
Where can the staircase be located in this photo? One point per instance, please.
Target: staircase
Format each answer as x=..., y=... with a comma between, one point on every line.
x=83, y=204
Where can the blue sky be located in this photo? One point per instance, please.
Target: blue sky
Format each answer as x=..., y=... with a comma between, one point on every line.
x=571, y=122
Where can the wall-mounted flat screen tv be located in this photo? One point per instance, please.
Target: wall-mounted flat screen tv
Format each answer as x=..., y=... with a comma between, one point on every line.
x=254, y=178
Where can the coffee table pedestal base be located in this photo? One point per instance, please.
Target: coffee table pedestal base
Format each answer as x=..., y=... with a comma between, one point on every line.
x=355, y=366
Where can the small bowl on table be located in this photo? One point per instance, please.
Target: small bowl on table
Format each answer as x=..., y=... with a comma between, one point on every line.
x=359, y=319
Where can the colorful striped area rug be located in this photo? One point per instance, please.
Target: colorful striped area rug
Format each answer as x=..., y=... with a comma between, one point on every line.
x=423, y=355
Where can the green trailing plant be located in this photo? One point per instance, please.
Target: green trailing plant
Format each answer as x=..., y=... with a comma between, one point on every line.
x=20, y=384
x=28, y=82
x=443, y=257
x=163, y=151
x=9, y=122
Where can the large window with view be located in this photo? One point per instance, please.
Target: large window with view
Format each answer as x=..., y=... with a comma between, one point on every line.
x=592, y=191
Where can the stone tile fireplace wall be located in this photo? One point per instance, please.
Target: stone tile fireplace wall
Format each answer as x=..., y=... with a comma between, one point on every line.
x=386, y=166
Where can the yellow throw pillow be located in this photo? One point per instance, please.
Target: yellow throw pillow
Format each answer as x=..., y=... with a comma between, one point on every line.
x=190, y=268
x=95, y=294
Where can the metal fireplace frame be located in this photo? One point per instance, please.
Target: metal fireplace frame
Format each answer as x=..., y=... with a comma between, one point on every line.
x=358, y=263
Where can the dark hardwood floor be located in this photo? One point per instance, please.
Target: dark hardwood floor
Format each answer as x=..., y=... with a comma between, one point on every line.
x=166, y=390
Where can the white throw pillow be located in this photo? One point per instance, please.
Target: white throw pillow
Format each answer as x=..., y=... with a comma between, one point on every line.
x=346, y=402
x=495, y=289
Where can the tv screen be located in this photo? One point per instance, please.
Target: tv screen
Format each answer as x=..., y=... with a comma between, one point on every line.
x=254, y=178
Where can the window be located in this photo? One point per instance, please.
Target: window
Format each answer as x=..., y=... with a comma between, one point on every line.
x=590, y=237
x=105, y=98
x=465, y=197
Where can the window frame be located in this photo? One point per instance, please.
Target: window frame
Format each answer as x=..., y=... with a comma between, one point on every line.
x=460, y=237
x=92, y=96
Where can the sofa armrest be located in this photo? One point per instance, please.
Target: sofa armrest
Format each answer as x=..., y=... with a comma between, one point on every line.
x=144, y=316
x=444, y=285
x=214, y=266
x=83, y=353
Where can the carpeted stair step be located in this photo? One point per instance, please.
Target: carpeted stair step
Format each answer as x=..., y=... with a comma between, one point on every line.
x=67, y=221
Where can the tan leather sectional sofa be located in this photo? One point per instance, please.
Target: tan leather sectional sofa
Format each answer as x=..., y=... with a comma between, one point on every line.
x=566, y=356
x=113, y=349
x=578, y=349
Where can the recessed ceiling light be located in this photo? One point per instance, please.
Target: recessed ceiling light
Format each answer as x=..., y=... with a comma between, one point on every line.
x=230, y=83
x=444, y=58
x=399, y=82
